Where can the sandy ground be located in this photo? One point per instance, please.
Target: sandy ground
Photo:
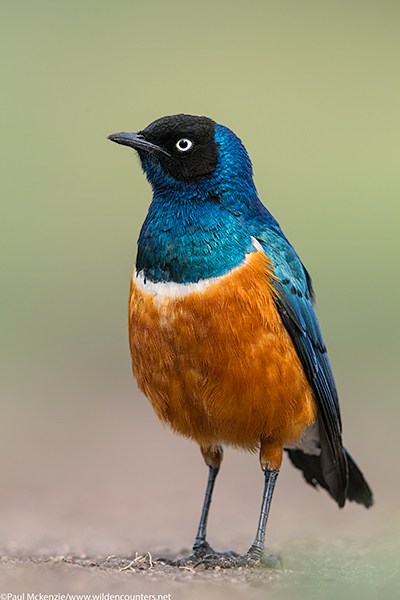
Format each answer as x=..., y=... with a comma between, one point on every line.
x=93, y=494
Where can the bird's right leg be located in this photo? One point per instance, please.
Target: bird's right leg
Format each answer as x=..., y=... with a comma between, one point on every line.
x=201, y=548
x=213, y=458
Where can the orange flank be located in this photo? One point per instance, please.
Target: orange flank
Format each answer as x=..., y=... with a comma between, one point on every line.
x=218, y=365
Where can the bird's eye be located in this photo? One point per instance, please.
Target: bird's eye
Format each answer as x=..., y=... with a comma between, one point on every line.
x=184, y=145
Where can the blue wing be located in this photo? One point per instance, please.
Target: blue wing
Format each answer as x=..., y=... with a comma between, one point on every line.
x=295, y=305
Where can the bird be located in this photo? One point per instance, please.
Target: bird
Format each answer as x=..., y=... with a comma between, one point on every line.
x=223, y=333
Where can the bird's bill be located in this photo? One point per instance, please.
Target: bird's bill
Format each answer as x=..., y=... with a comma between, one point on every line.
x=135, y=140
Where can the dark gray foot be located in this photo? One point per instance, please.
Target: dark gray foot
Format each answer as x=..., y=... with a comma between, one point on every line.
x=224, y=561
x=199, y=553
x=207, y=558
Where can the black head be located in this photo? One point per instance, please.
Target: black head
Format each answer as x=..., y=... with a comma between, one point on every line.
x=184, y=145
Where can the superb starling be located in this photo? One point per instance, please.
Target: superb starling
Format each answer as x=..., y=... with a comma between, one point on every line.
x=224, y=338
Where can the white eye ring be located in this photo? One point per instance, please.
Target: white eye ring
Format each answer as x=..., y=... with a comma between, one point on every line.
x=184, y=145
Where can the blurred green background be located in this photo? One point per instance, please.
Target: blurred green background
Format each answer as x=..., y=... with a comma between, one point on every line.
x=313, y=90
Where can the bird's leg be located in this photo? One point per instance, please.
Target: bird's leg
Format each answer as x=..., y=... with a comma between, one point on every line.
x=201, y=546
x=270, y=459
x=255, y=554
x=256, y=550
x=202, y=553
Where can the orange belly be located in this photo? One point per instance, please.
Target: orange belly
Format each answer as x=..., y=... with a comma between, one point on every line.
x=218, y=365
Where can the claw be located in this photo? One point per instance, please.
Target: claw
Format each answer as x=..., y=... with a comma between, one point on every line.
x=225, y=560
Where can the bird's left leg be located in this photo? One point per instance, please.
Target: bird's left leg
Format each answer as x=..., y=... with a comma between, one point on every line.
x=256, y=550
x=270, y=460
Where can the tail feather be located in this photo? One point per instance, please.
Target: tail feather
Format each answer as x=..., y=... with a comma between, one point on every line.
x=310, y=464
x=358, y=490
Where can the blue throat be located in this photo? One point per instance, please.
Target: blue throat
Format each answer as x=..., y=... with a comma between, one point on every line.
x=202, y=228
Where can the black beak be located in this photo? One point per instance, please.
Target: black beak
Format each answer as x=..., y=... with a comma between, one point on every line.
x=136, y=141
